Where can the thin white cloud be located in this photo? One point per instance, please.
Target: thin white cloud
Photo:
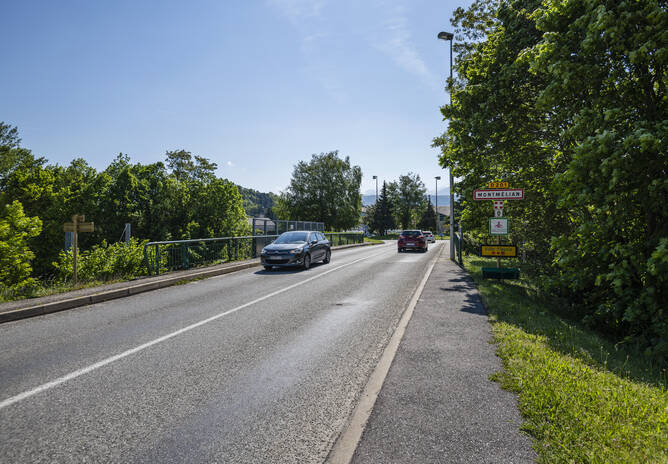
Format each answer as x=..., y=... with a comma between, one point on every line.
x=397, y=42
x=309, y=21
x=230, y=164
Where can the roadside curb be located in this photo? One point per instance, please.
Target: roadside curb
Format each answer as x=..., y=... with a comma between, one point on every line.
x=47, y=308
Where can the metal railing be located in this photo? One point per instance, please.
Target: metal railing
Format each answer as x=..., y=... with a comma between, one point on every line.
x=266, y=226
x=185, y=254
x=344, y=238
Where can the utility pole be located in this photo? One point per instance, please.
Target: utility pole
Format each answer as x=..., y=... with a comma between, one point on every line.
x=450, y=37
x=438, y=216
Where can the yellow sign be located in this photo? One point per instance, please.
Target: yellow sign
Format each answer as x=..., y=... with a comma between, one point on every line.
x=497, y=185
x=499, y=251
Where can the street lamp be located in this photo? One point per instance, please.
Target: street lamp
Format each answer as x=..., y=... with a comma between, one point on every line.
x=376, y=178
x=438, y=216
x=450, y=37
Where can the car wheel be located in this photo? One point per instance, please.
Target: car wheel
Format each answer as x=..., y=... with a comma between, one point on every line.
x=328, y=257
x=268, y=268
x=398, y=250
x=307, y=262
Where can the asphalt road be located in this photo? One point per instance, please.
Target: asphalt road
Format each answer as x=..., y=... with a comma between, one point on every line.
x=253, y=366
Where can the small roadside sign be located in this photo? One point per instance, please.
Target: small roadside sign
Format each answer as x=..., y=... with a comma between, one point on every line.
x=80, y=227
x=498, y=208
x=498, y=185
x=498, y=226
x=496, y=251
x=77, y=225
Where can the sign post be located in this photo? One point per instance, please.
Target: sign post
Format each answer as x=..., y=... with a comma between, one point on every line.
x=498, y=192
x=77, y=225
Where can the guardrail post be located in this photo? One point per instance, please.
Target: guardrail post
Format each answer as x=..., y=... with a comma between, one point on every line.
x=184, y=258
x=157, y=259
x=148, y=264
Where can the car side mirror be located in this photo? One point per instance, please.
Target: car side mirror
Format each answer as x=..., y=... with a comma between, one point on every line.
x=314, y=242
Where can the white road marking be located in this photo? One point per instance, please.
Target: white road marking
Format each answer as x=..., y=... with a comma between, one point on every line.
x=125, y=354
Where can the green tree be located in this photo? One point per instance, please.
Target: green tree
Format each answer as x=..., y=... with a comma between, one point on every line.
x=589, y=152
x=428, y=219
x=9, y=136
x=256, y=203
x=407, y=199
x=219, y=210
x=379, y=216
x=497, y=131
x=16, y=230
x=615, y=187
x=326, y=189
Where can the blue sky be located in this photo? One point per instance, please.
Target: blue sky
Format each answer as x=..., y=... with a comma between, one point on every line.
x=256, y=86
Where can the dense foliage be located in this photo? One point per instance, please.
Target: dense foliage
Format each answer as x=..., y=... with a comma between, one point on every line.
x=179, y=199
x=326, y=189
x=402, y=203
x=104, y=262
x=16, y=229
x=567, y=99
x=379, y=216
x=428, y=219
x=257, y=204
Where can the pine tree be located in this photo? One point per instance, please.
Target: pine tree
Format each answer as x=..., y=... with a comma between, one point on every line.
x=428, y=219
x=381, y=218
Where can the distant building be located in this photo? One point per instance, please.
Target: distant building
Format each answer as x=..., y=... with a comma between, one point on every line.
x=444, y=212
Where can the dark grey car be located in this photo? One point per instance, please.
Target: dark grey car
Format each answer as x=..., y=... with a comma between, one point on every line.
x=296, y=248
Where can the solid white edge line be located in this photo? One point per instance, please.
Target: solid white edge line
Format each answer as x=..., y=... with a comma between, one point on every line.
x=85, y=370
x=344, y=448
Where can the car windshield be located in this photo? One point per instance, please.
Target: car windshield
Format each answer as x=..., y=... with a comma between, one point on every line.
x=427, y=232
x=292, y=237
x=410, y=233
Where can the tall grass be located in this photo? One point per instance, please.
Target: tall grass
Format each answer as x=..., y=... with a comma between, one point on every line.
x=584, y=399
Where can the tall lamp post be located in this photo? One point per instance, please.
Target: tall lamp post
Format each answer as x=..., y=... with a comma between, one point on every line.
x=376, y=179
x=438, y=216
x=450, y=37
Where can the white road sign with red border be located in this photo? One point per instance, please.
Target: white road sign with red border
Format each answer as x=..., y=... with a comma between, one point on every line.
x=499, y=194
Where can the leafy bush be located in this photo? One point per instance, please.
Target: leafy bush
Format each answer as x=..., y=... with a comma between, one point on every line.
x=104, y=262
x=15, y=257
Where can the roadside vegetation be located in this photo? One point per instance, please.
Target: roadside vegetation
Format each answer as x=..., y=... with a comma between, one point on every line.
x=326, y=189
x=584, y=398
x=567, y=100
x=180, y=198
x=402, y=204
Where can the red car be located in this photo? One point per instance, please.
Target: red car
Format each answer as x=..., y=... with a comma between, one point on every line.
x=412, y=240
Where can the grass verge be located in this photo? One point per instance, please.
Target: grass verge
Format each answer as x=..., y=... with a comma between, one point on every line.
x=47, y=288
x=584, y=399
x=371, y=240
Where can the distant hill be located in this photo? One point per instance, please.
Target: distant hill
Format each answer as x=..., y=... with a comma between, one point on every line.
x=256, y=203
x=442, y=200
